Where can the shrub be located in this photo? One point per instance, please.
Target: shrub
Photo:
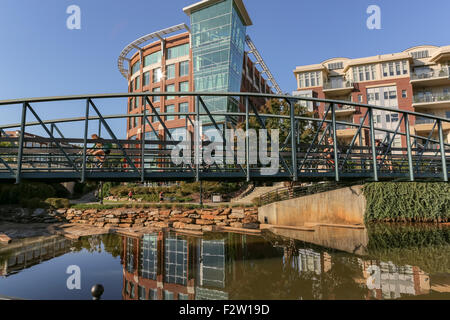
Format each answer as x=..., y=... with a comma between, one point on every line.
x=407, y=201
x=33, y=203
x=58, y=203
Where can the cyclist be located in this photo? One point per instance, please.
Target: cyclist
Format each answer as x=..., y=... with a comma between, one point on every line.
x=100, y=150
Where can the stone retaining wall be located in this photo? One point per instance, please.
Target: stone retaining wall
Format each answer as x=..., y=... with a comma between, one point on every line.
x=197, y=220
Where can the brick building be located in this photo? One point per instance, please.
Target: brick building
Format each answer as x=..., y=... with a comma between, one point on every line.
x=416, y=79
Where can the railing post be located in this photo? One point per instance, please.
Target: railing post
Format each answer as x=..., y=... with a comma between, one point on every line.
x=408, y=146
x=372, y=142
x=143, y=144
x=247, y=138
x=443, y=155
x=335, y=151
x=197, y=140
x=21, y=138
x=86, y=128
x=293, y=142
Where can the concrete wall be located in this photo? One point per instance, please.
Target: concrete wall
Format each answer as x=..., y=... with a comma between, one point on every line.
x=342, y=206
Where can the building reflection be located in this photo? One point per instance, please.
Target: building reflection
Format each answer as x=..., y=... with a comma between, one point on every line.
x=30, y=253
x=167, y=266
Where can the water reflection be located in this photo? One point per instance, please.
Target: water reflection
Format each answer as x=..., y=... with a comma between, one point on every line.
x=399, y=262
x=231, y=266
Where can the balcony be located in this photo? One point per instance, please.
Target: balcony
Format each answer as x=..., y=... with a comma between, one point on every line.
x=435, y=77
x=431, y=100
x=338, y=88
x=342, y=111
x=343, y=131
x=425, y=125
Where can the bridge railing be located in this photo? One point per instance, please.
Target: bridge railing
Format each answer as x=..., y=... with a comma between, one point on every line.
x=319, y=146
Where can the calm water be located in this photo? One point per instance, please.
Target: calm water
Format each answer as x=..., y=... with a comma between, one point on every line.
x=397, y=262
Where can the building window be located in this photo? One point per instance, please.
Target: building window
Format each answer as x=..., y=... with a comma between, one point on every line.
x=364, y=73
x=395, y=68
x=136, y=67
x=141, y=293
x=360, y=98
x=184, y=107
x=184, y=86
x=420, y=54
x=184, y=68
x=137, y=83
x=170, y=71
x=335, y=66
x=132, y=293
x=155, y=118
x=170, y=88
x=156, y=98
x=153, y=294
x=178, y=51
x=152, y=58
x=310, y=79
x=130, y=106
x=170, y=109
x=168, y=295
x=394, y=117
x=132, y=86
x=157, y=75
x=404, y=94
x=146, y=80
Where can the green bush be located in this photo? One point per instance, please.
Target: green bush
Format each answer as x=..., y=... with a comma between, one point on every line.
x=33, y=203
x=21, y=193
x=407, y=202
x=58, y=203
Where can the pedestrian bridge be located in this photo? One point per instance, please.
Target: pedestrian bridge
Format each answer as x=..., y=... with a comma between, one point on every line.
x=313, y=146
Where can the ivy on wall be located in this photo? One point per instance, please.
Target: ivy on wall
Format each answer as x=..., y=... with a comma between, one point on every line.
x=407, y=202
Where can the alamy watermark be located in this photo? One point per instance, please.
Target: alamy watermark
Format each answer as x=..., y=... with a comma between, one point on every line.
x=374, y=20
x=73, y=22
x=74, y=280
x=233, y=152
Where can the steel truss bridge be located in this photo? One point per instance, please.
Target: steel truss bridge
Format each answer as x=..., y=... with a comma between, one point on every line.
x=55, y=157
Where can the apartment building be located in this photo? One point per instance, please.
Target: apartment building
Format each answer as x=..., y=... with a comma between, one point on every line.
x=416, y=79
x=207, y=56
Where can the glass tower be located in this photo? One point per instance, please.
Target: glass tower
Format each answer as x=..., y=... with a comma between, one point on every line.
x=218, y=40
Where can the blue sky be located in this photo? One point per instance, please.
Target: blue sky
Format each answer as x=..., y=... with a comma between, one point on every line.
x=39, y=56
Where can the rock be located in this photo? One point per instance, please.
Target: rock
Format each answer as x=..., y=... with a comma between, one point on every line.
x=222, y=224
x=38, y=212
x=162, y=224
x=236, y=215
x=124, y=225
x=227, y=211
x=207, y=228
x=186, y=220
x=61, y=211
x=194, y=227
x=115, y=220
x=4, y=238
x=194, y=216
x=238, y=210
x=109, y=216
x=99, y=224
x=236, y=225
x=249, y=219
x=179, y=225
x=175, y=212
x=220, y=218
x=204, y=222
x=91, y=211
x=208, y=217
x=217, y=212
x=165, y=213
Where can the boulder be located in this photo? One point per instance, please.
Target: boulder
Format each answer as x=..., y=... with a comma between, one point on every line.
x=165, y=213
x=208, y=217
x=194, y=227
x=236, y=225
x=204, y=222
x=236, y=215
x=207, y=228
x=179, y=225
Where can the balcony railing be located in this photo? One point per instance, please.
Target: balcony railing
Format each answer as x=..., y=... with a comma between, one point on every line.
x=435, y=97
x=338, y=85
x=421, y=120
x=430, y=75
